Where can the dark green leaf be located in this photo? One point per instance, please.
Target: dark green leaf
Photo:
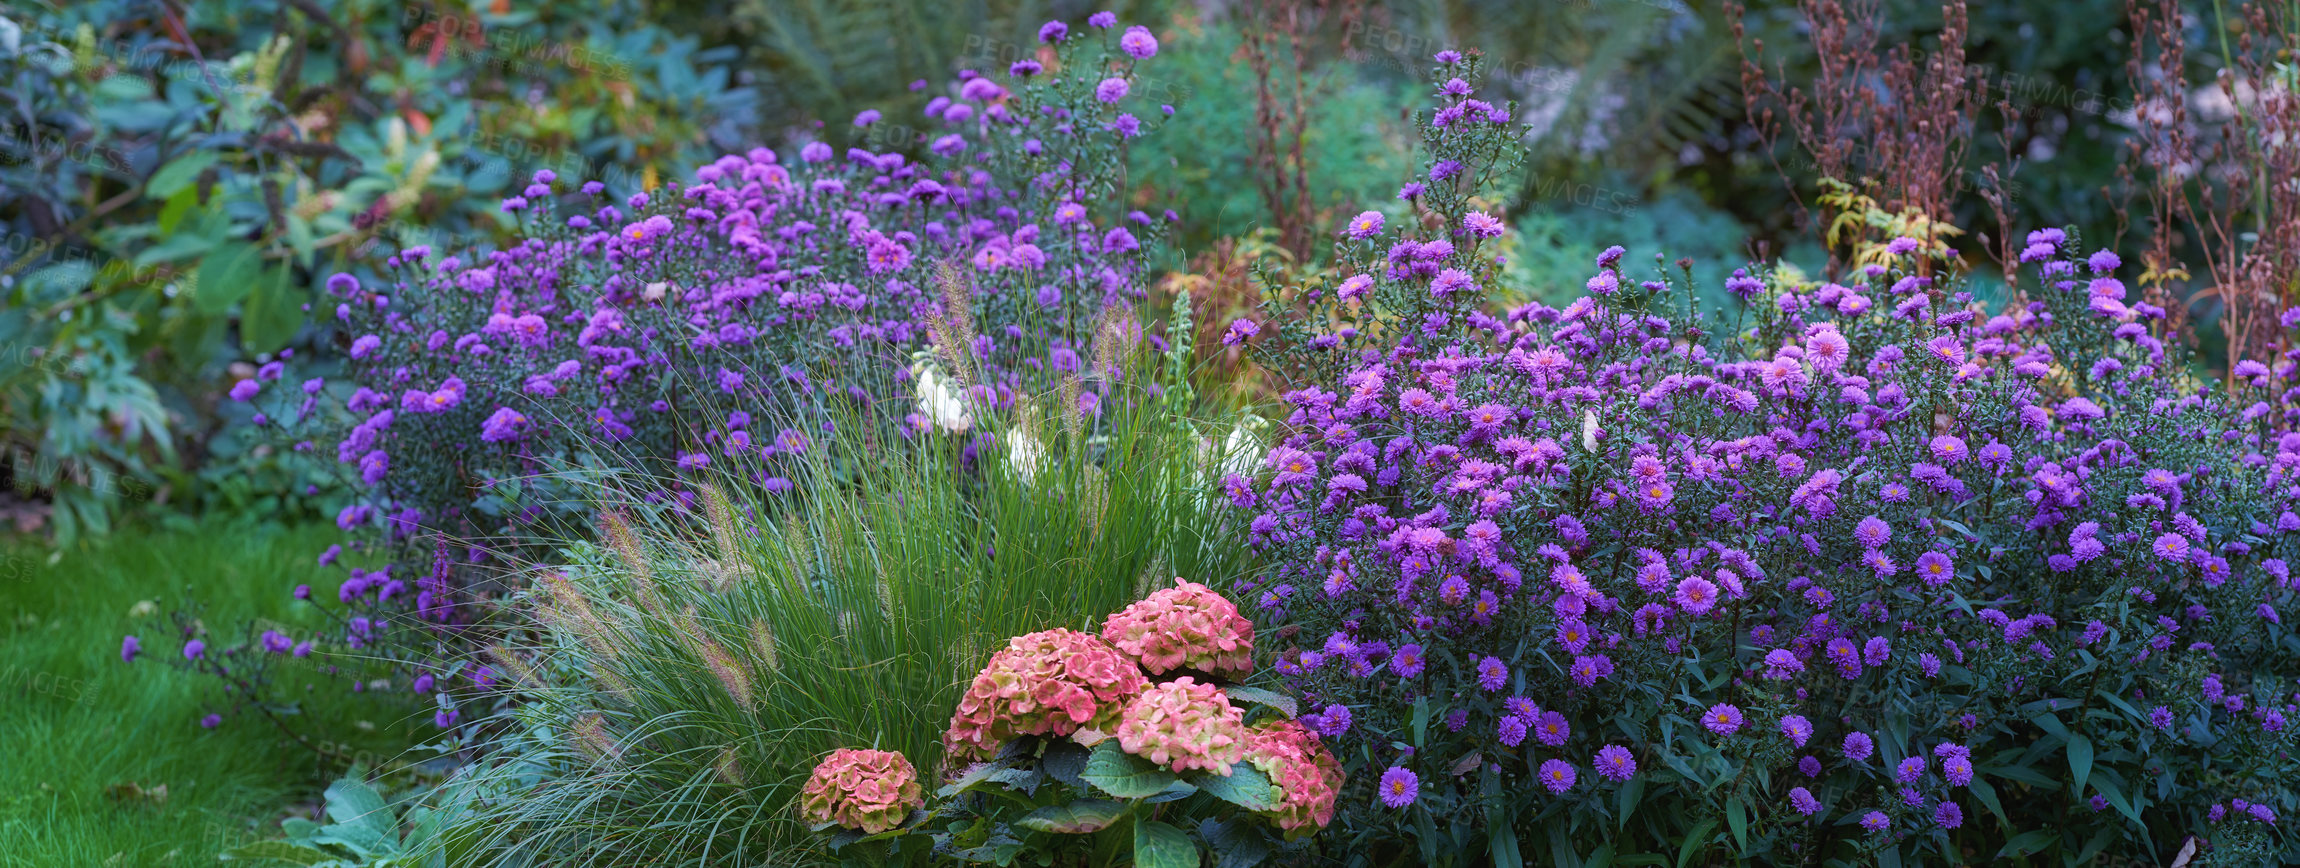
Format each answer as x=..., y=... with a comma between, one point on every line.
x=1158, y=845
x=1077, y=818
x=2079, y=763
x=2029, y=842
x=1064, y=761
x=1283, y=703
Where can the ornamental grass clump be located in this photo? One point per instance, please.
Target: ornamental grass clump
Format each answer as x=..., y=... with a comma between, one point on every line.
x=726, y=320
x=1861, y=571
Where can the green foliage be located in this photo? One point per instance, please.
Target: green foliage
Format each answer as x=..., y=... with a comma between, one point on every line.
x=1557, y=244
x=165, y=200
x=1199, y=164
x=364, y=831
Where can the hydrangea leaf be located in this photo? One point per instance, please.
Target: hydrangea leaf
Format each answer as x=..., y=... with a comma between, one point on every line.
x=1245, y=787
x=1076, y=818
x=1125, y=775
x=1283, y=703
x=1159, y=845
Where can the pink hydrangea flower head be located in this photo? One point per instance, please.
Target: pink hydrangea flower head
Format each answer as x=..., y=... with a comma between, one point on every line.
x=1050, y=683
x=1309, y=779
x=1183, y=724
x=1187, y=626
x=870, y=790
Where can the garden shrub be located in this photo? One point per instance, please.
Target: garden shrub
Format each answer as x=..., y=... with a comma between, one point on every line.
x=1856, y=572
x=724, y=321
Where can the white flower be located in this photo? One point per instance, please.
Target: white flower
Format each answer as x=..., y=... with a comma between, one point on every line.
x=655, y=291
x=1024, y=453
x=1589, y=430
x=939, y=401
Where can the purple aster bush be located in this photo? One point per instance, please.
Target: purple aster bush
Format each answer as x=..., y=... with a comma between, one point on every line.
x=1873, y=513
x=723, y=322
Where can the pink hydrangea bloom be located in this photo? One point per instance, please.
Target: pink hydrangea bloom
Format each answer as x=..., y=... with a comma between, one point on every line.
x=870, y=790
x=1309, y=779
x=1183, y=724
x=1051, y=683
x=1187, y=626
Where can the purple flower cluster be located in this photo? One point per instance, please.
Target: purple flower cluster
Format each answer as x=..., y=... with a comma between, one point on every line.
x=1849, y=490
x=707, y=326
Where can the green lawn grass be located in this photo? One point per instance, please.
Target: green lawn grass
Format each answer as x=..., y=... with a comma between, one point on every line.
x=78, y=727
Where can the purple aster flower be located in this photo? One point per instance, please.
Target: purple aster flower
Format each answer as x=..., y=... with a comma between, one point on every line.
x=1557, y=775
x=1450, y=281
x=1797, y=728
x=1406, y=661
x=1052, y=32
x=1333, y=722
x=129, y=648
x=1552, y=729
x=1511, y=730
x=211, y=721
x=195, y=649
x=1935, y=568
x=1696, y=595
x=1872, y=533
x=1910, y=770
x=1492, y=673
x=1240, y=331
x=1958, y=769
x=1858, y=746
x=245, y=390
x=1948, y=815
x=2172, y=547
x=1876, y=821
x=1366, y=225
x=1802, y=800
x=1399, y=787
x=1616, y=762
x=1111, y=90
x=1722, y=719
x=1103, y=20
x=1138, y=43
